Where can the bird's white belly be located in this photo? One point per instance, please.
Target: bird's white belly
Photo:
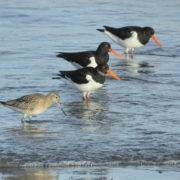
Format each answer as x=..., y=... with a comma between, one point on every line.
x=90, y=86
x=86, y=87
x=131, y=42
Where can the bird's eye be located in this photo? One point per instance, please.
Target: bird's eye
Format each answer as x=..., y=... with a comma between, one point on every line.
x=106, y=45
x=103, y=67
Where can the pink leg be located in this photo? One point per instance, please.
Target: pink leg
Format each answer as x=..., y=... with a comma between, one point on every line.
x=85, y=96
x=132, y=51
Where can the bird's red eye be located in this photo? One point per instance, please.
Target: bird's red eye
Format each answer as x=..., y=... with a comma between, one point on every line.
x=103, y=67
x=106, y=45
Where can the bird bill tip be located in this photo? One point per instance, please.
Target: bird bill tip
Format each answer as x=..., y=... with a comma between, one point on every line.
x=115, y=53
x=154, y=38
x=112, y=74
x=61, y=108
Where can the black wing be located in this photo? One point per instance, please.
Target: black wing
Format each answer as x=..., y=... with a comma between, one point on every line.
x=122, y=33
x=81, y=58
x=77, y=76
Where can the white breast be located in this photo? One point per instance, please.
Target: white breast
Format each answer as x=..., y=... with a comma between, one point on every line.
x=90, y=86
x=131, y=42
x=92, y=63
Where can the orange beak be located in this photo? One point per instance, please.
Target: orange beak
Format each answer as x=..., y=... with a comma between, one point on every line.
x=154, y=38
x=112, y=74
x=114, y=52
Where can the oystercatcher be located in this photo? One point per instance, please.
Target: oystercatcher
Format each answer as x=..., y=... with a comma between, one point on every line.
x=33, y=104
x=89, y=58
x=130, y=37
x=87, y=79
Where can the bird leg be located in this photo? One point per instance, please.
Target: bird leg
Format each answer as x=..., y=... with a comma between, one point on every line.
x=86, y=96
x=132, y=51
x=22, y=120
x=126, y=51
x=30, y=118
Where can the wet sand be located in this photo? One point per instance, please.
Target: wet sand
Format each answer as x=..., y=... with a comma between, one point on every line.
x=93, y=173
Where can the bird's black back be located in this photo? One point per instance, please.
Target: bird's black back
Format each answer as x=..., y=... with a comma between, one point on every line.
x=144, y=33
x=81, y=58
x=79, y=76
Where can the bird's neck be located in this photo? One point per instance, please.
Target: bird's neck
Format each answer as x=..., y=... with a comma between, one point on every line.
x=100, y=73
x=49, y=101
x=101, y=52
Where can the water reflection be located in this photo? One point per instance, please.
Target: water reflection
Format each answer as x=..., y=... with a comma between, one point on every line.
x=50, y=174
x=87, y=110
x=29, y=136
x=129, y=57
x=21, y=174
x=135, y=66
x=132, y=61
x=31, y=130
x=162, y=52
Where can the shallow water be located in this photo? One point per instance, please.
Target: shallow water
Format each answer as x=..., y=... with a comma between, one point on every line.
x=131, y=122
x=93, y=173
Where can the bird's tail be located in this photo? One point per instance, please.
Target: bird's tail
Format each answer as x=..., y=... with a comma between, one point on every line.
x=108, y=28
x=61, y=74
x=60, y=54
x=101, y=30
x=56, y=77
x=2, y=102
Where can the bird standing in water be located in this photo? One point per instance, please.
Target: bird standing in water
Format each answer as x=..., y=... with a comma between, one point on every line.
x=87, y=79
x=33, y=104
x=130, y=37
x=89, y=58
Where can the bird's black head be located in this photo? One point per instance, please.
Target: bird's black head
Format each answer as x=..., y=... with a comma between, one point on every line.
x=104, y=47
x=149, y=31
x=102, y=68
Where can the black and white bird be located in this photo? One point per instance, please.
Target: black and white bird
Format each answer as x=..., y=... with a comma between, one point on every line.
x=87, y=79
x=89, y=58
x=130, y=37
